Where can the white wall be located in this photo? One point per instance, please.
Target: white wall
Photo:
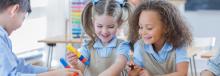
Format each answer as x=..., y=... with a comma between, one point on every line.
x=205, y=24
x=56, y=16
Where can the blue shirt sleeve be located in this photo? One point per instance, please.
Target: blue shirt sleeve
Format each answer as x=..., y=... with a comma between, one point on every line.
x=137, y=55
x=124, y=49
x=214, y=64
x=11, y=66
x=10, y=69
x=181, y=56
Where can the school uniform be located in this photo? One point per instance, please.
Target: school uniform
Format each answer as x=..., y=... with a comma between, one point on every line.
x=102, y=57
x=160, y=63
x=10, y=65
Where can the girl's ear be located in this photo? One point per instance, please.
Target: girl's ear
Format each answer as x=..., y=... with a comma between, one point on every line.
x=13, y=10
x=166, y=31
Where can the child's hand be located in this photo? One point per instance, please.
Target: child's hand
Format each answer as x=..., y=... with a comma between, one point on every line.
x=206, y=73
x=61, y=72
x=72, y=58
x=73, y=72
x=144, y=73
x=134, y=70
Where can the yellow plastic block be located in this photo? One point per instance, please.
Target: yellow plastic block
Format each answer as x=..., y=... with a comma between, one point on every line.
x=73, y=50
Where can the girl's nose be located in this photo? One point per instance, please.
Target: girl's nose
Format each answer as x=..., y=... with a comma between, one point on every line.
x=104, y=30
x=145, y=32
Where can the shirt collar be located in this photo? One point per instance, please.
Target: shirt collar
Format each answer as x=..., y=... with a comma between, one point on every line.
x=166, y=48
x=111, y=44
x=3, y=31
x=4, y=34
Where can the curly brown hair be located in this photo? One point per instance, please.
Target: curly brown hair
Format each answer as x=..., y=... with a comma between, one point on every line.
x=118, y=11
x=178, y=33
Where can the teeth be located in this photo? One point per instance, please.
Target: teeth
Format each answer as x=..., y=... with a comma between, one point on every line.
x=148, y=37
x=105, y=36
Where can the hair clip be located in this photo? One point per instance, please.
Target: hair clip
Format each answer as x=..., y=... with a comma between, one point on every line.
x=94, y=2
x=121, y=2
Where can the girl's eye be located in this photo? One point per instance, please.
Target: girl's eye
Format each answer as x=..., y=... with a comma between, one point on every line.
x=111, y=27
x=149, y=28
x=141, y=27
x=99, y=26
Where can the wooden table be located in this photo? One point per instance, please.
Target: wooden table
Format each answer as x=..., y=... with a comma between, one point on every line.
x=209, y=54
x=52, y=41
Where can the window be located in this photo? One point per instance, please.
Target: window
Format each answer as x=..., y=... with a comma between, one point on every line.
x=202, y=5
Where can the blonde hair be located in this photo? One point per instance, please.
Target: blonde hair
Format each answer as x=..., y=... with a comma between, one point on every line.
x=120, y=12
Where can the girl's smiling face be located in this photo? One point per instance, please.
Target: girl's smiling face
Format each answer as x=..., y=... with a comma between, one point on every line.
x=105, y=27
x=151, y=28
